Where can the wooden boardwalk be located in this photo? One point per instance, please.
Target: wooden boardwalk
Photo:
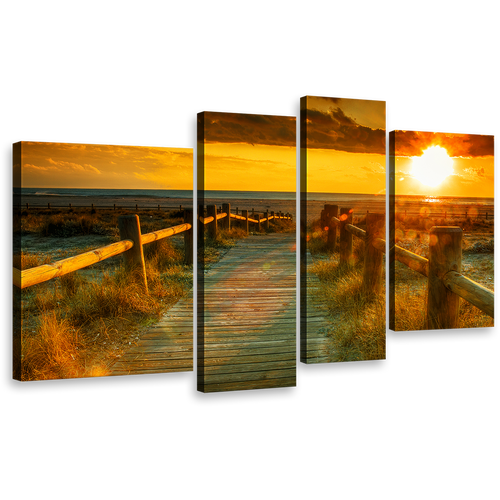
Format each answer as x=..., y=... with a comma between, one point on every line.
x=248, y=328
x=314, y=348
x=166, y=347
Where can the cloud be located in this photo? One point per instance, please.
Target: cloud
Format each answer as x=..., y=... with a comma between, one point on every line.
x=334, y=129
x=409, y=143
x=66, y=165
x=248, y=129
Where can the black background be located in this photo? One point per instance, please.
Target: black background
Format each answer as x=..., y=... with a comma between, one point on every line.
x=126, y=90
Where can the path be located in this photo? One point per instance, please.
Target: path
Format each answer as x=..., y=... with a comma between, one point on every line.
x=248, y=337
x=166, y=347
x=314, y=343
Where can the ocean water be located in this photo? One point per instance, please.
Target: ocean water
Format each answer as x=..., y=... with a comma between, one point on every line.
x=340, y=198
x=106, y=193
x=444, y=200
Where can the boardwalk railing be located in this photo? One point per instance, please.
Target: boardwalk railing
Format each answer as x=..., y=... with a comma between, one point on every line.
x=131, y=245
x=443, y=268
x=214, y=215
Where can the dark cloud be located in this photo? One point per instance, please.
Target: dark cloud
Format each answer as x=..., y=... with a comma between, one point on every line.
x=250, y=129
x=333, y=129
x=409, y=143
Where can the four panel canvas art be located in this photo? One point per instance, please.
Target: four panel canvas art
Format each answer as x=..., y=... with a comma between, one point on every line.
x=103, y=246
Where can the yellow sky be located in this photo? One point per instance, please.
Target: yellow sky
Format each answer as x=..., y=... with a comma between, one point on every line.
x=330, y=171
x=243, y=167
x=345, y=145
x=244, y=152
x=59, y=165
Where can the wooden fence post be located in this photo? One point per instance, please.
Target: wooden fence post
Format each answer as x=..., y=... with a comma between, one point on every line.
x=212, y=226
x=130, y=229
x=258, y=222
x=372, y=274
x=188, y=237
x=445, y=254
x=267, y=219
x=331, y=211
x=48, y=206
x=236, y=210
x=244, y=213
x=272, y=216
x=226, y=221
x=345, y=237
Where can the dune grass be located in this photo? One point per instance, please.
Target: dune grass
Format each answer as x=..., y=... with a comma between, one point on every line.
x=358, y=318
x=78, y=324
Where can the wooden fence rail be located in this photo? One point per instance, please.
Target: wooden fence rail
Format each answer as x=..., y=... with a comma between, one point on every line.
x=225, y=215
x=130, y=245
x=92, y=206
x=443, y=268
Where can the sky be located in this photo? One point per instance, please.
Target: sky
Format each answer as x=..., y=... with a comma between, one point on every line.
x=463, y=167
x=245, y=152
x=57, y=165
x=345, y=141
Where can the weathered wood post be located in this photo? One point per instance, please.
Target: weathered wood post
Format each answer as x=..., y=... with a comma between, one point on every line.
x=331, y=211
x=258, y=222
x=159, y=208
x=180, y=208
x=114, y=206
x=372, y=275
x=272, y=216
x=445, y=254
x=48, y=206
x=70, y=207
x=188, y=237
x=136, y=207
x=244, y=213
x=267, y=219
x=212, y=226
x=130, y=229
x=28, y=207
x=226, y=221
x=345, y=237
x=236, y=210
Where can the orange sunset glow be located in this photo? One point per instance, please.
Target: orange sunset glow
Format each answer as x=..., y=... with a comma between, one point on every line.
x=248, y=152
x=56, y=165
x=345, y=145
x=440, y=164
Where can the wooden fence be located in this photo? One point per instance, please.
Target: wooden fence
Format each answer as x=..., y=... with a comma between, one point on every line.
x=131, y=245
x=443, y=268
x=472, y=213
x=132, y=241
x=92, y=206
x=223, y=214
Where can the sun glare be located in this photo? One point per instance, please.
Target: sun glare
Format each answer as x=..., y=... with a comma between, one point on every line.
x=433, y=167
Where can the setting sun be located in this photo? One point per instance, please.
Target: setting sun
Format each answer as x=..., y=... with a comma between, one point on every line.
x=433, y=167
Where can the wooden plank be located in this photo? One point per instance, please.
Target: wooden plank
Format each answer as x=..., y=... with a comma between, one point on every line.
x=249, y=317
x=314, y=348
x=162, y=348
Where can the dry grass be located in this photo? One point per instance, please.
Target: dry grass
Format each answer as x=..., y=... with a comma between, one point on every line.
x=411, y=288
x=358, y=330
x=77, y=325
